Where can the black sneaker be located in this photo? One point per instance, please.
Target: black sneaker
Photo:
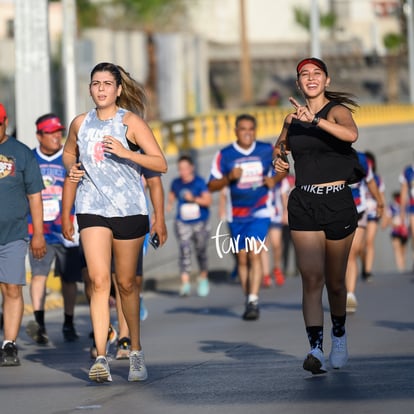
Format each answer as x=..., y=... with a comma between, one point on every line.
x=252, y=311
x=69, y=333
x=37, y=333
x=9, y=356
x=366, y=276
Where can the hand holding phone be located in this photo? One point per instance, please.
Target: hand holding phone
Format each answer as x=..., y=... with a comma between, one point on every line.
x=283, y=154
x=154, y=241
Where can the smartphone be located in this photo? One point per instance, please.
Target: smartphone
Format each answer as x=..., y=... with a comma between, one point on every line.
x=154, y=241
x=283, y=154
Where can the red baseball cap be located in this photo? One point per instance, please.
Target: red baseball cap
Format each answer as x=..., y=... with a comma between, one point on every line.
x=3, y=113
x=49, y=125
x=315, y=61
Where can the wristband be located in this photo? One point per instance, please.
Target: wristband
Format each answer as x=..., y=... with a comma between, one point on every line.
x=316, y=120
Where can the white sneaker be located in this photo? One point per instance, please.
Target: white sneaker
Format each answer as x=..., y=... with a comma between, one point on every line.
x=351, y=303
x=137, y=368
x=339, y=352
x=315, y=362
x=99, y=371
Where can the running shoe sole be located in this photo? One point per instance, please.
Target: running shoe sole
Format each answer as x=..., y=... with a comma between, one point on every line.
x=99, y=373
x=313, y=365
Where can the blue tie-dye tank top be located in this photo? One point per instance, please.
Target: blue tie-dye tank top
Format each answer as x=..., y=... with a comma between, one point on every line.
x=111, y=186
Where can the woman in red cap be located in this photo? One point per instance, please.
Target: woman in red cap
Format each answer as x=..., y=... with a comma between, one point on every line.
x=322, y=215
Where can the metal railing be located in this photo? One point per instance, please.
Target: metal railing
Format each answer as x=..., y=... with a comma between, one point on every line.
x=217, y=128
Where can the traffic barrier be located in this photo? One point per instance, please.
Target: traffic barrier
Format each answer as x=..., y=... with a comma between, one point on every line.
x=201, y=131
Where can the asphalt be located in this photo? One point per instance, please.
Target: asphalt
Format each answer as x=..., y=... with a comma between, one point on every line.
x=203, y=358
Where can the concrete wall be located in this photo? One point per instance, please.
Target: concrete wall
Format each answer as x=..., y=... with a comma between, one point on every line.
x=393, y=148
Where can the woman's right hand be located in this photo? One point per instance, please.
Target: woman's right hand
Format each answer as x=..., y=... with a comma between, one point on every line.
x=279, y=165
x=280, y=160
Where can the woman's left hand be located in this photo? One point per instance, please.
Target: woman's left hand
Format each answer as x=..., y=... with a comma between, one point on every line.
x=76, y=173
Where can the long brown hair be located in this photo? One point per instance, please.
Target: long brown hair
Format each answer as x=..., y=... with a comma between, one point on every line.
x=344, y=98
x=133, y=96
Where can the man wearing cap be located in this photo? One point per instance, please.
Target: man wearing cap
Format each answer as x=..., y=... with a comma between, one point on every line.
x=20, y=193
x=65, y=254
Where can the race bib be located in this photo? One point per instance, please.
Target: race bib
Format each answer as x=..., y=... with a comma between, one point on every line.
x=50, y=210
x=190, y=211
x=252, y=175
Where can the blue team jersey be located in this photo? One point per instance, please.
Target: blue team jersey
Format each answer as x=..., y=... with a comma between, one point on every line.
x=408, y=177
x=190, y=212
x=359, y=189
x=248, y=196
x=53, y=174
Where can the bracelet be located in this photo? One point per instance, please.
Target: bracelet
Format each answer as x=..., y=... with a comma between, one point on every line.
x=316, y=120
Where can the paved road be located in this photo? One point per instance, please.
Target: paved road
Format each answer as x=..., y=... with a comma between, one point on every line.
x=202, y=358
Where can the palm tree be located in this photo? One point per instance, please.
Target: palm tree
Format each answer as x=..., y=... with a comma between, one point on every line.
x=302, y=18
x=393, y=43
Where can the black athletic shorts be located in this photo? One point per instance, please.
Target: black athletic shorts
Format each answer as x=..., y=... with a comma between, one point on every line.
x=332, y=212
x=123, y=228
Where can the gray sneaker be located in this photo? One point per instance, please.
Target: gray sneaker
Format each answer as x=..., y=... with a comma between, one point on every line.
x=99, y=371
x=37, y=333
x=339, y=352
x=137, y=368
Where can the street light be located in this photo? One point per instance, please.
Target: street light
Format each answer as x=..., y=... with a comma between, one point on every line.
x=68, y=58
x=245, y=63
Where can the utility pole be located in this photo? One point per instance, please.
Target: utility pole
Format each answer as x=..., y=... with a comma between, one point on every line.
x=409, y=14
x=245, y=62
x=315, y=29
x=69, y=58
x=32, y=66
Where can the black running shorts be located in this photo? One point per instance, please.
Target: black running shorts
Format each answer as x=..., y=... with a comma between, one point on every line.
x=333, y=213
x=123, y=228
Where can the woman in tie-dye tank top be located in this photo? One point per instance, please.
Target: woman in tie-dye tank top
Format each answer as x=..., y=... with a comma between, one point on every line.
x=111, y=143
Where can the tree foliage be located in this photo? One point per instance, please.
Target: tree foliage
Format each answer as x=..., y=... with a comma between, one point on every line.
x=393, y=41
x=148, y=15
x=302, y=18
